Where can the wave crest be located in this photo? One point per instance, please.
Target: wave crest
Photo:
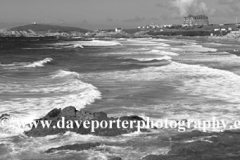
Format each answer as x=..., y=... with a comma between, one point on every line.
x=39, y=63
x=166, y=58
x=33, y=99
x=164, y=53
x=20, y=65
x=92, y=43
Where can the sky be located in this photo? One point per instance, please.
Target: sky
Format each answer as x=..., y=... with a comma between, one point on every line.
x=107, y=14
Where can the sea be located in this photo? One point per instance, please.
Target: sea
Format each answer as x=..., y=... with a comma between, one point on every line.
x=158, y=78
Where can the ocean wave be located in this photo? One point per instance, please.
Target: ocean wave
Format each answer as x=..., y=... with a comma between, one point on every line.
x=63, y=73
x=19, y=65
x=34, y=98
x=78, y=46
x=100, y=43
x=110, y=146
x=164, y=53
x=144, y=52
x=92, y=43
x=140, y=49
x=195, y=80
x=39, y=63
x=145, y=42
x=167, y=58
x=202, y=89
x=176, y=49
x=197, y=48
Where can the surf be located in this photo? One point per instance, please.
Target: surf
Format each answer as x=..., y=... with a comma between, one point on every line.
x=30, y=99
x=22, y=65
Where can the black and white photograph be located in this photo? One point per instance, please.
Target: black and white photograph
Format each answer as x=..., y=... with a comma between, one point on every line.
x=119, y=79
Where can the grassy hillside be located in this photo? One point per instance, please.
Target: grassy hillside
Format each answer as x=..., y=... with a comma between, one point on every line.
x=46, y=27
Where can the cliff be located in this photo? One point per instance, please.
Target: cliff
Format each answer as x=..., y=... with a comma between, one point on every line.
x=48, y=28
x=43, y=30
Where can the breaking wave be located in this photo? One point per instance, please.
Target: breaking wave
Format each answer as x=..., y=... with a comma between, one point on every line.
x=31, y=99
x=92, y=43
x=164, y=53
x=203, y=89
x=19, y=65
x=168, y=58
x=195, y=79
x=197, y=48
x=39, y=63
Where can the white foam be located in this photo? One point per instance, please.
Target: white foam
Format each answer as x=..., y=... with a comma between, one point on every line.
x=92, y=43
x=146, y=42
x=107, y=148
x=63, y=73
x=176, y=49
x=39, y=63
x=19, y=65
x=100, y=43
x=161, y=52
x=168, y=58
x=197, y=48
x=195, y=83
x=78, y=46
x=33, y=99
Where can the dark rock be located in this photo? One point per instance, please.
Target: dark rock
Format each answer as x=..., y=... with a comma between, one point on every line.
x=115, y=158
x=72, y=116
x=134, y=117
x=68, y=112
x=171, y=157
x=100, y=115
x=84, y=115
x=75, y=147
x=53, y=113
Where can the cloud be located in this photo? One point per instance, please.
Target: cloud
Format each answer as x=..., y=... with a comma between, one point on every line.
x=224, y=2
x=230, y=8
x=186, y=7
x=181, y=8
x=135, y=19
x=234, y=5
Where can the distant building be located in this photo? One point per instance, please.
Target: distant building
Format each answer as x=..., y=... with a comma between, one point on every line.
x=151, y=26
x=192, y=20
x=166, y=26
x=118, y=30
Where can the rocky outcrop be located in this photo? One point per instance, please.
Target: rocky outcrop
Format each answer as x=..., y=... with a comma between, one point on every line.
x=73, y=120
x=202, y=146
x=31, y=33
x=232, y=36
x=115, y=158
x=44, y=30
x=74, y=147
